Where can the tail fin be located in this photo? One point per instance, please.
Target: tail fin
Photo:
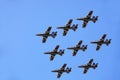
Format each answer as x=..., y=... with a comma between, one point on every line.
x=68, y=70
x=94, y=19
x=108, y=41
x=95, y=66
x=61, y=52
x=84, y=47
x=74, y=27
x=54, y=34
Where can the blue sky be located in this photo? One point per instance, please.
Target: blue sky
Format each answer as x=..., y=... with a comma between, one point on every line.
x=21, y=52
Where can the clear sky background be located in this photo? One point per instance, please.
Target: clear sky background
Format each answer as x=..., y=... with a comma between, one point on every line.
x=21, y=52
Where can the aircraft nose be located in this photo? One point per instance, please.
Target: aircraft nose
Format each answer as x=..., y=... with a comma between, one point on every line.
x=53, y=71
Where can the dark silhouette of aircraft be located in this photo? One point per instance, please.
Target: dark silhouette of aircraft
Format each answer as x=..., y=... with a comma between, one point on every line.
x=47, y=34
x=88, y=65
x=68, y=26
x=61, y=70
x=101, y=41
x=78, y=47
x=88, y=18
x=54, y=52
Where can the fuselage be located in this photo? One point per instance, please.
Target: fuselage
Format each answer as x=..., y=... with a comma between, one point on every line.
x=54, y=53
x=99, y=42
x=85, y=19
x=77, y=48
x=45, y=35
x=86, y=66
x=59, y=70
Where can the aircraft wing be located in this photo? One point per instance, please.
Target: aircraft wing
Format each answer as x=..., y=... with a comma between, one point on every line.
x=52, y=57
x=90, y=62
x=59, y=74
x=65, y=32
x=70, y=22
x=64, y=65
x=44, y=39
x=85, y=70
x=89, y=15
x=98, y=46
x=75, y=52
x=79, y=43
x=67, y=27
x=56, y=48
x=48, y=30
x=84, y=24
x=103, y=37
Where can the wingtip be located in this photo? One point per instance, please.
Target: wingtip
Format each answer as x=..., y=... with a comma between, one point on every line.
x=51, y=59
x=74, y=55
x=105, y=34
x=83, y=26
x=64, y=34
x=65, y=64
x=97, y=49
x=71, y=19
x=50, y=27
x=91, y=11
x=91, y=59
x=57, y=45
x=43, y=41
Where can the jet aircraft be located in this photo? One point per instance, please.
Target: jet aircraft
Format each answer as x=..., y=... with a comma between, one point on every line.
x=78, y=47
x=88, y=18
x=47, y=34
x=88, y=65
x=68, y=26
x=61, y=70
x=102, y=41
x=54, y=52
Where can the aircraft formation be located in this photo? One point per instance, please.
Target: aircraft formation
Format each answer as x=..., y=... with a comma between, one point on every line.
x=75, y=48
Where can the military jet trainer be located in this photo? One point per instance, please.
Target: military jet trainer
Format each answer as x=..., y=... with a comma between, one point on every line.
x=78, y=47
x=88, y=18
x=47, y=34
x=68, y=27
x=54, y=52
x=101, y=41
x=88, y=65
x=61, y=70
